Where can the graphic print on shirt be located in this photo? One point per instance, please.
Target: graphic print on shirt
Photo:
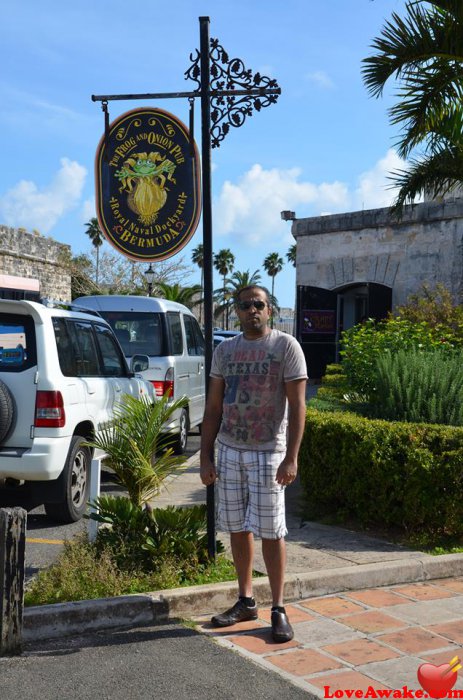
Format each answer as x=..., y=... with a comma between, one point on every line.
x=252, y=379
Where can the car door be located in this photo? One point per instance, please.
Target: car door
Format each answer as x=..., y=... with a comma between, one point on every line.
x=98, y=391
x=196, y=379
x=114, y=366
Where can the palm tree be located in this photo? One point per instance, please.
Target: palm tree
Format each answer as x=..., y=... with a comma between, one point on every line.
x=134, y=443
x=224, y=262
x=273, y=264
x=94, y=233
x=188, y=296
x=291, y=254
x=225, y=297
x=424, y=51
x=197, y=258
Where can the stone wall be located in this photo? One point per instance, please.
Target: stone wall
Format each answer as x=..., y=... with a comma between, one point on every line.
x=425, y=246
x=25, y=254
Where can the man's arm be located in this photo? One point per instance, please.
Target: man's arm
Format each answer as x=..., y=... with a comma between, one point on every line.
x=295, y=393
x=210, y=428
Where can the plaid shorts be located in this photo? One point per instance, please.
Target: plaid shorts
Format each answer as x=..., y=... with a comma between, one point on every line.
x=248, y=497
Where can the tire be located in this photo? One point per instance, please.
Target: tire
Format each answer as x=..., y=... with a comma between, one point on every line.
x=7, y=411
x=179, y=444
x=73, y=484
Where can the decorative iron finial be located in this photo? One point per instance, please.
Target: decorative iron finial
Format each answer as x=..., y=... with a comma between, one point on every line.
x=229, y=76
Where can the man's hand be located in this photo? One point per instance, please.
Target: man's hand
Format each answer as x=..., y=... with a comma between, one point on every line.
x=287, y=472
x=207, y=471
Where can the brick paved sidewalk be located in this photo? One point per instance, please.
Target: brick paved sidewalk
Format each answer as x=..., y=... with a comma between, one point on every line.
x=373, y=637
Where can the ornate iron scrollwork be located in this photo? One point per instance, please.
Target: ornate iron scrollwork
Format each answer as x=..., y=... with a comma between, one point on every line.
x=228, y=75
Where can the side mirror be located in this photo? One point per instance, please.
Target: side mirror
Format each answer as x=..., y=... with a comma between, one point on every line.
x=139, y=363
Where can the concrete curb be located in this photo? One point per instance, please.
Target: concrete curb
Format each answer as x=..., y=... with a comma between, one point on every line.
x=66, y=619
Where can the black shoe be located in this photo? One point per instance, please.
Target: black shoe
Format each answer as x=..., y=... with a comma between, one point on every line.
x=240, y=612
x=281, y=629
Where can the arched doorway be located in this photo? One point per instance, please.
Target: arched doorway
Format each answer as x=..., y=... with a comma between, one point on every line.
x=322, y=315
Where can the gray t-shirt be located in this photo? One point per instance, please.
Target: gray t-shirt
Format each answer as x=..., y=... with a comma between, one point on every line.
x=255, y=371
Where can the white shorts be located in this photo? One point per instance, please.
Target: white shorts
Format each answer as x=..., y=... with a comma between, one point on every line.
x=248, y=497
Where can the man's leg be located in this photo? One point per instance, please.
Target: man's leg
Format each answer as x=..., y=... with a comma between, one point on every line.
x=274, y=553
x=242, y=545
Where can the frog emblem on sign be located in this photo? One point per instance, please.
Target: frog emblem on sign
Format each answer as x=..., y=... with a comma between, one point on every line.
x=144, y=177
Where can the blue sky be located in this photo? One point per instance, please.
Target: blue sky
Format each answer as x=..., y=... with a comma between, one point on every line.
x=325, y=147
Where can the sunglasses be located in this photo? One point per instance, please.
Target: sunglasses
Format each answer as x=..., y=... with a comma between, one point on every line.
x=246, y=305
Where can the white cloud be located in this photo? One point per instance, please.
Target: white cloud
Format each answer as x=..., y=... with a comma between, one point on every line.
x=320, y=78
x=28, y=206
x=375, y=187
x=249, y=210
x=88, y=210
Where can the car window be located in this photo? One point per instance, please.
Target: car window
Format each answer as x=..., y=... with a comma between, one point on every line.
x=194, y=338
x=139, y=333
x=66, y=347
x=112, y=358
x=175, y=333
x=17, y=343
x=87, y=364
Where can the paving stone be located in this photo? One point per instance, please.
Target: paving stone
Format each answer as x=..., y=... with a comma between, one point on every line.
x=394, y=673
x=442, y=657
x=413, y=640
x=303, y=662
x=332, y=606
x=451, y=630
x=427, y=612
x=360, y=651
x=260, y=642
x=423, y=591
x=453, y=584
x=324, y=631
x=376, y=597
x=372, y=621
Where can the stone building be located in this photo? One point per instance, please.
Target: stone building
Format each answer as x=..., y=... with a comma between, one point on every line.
x=364, y=264
x=30, y=256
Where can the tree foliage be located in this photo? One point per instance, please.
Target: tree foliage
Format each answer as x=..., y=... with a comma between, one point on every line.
x=423, y=51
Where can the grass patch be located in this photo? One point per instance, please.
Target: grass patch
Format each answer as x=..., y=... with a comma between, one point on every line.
x=83, y=572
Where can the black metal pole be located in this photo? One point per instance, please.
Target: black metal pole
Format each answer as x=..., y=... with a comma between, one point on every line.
x=207, y=241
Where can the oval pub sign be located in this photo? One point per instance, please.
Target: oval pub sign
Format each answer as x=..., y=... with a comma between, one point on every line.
x=147, y=184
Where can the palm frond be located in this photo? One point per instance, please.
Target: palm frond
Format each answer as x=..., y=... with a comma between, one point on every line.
x=436, y=174
x=135, y=444
x=413, y=42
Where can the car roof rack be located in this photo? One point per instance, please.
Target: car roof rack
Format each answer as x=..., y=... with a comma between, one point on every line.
x=67, y=306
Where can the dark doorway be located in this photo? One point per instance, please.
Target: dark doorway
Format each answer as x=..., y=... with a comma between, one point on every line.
x=322, y=315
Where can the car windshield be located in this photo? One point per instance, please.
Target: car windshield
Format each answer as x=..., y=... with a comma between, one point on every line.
x=139, y=333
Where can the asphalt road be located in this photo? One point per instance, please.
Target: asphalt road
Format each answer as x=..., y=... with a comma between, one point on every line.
x=165, y=661
x=44, y=538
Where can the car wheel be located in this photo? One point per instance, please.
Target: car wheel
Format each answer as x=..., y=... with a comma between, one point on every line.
x=7, y=411
x=74, y=486
x=180, y=442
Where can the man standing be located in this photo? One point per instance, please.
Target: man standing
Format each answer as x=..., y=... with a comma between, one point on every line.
x=256, y=409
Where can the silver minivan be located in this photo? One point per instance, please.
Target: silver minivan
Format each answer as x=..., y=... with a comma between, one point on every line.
x=163, y=342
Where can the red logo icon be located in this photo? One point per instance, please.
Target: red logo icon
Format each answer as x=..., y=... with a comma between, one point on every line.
x=439, y=680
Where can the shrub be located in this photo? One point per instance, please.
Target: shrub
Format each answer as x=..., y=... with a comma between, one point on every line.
x=381, y=473
x=435, y=306
x=420, y=387
x=145, y=537
x=84, y=571
x=364, y=343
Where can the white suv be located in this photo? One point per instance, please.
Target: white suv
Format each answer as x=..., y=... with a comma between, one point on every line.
x=61, y=374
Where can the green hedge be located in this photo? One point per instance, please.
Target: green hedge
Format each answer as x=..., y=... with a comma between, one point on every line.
x=384, y=473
